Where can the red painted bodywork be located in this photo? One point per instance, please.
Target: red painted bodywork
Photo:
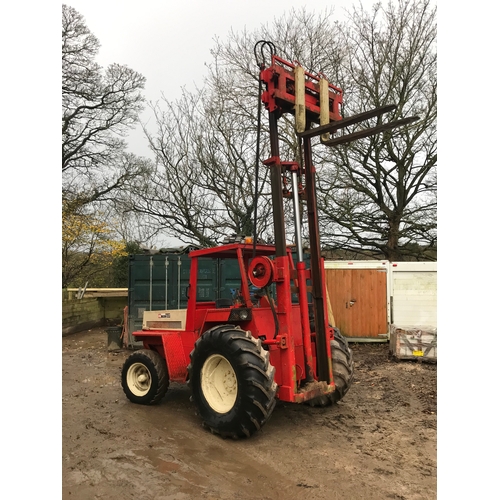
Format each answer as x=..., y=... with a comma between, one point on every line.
x=289, y=347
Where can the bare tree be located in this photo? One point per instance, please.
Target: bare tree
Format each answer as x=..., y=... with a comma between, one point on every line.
x=377, y=195
x=98, y=108
x=200, y=189
x=203, y=186
x=383, y=194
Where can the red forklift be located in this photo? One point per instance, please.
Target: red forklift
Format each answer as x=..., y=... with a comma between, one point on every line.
x=239, y=356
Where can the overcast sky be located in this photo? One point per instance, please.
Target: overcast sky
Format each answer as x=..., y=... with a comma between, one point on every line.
x=169, y=42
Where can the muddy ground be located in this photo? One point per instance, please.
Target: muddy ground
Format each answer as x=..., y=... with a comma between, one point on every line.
x=379, y=442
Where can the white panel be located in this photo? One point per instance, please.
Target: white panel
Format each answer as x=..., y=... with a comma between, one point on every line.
x=414, y=296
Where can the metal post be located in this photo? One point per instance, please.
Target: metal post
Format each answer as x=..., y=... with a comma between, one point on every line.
x=282, y=266
x=151, y=283
x=302, y=282
x=179, y=264
x=316, y=275
x=296, y=216
x=277, y=189
x=166, y=282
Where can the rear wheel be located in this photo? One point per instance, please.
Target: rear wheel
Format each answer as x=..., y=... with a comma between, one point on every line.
x=145, y=377
x=343, y=371
x=232, y=382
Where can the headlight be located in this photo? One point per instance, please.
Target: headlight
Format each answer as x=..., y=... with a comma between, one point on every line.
x=240, y=314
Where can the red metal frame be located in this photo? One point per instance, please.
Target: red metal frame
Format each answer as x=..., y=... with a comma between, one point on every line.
x=279, y=79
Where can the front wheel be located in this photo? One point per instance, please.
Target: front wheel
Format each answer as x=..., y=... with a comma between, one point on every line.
x=145, y=377
x=232, y=382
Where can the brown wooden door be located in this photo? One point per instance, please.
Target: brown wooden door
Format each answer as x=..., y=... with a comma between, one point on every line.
x=359, y=301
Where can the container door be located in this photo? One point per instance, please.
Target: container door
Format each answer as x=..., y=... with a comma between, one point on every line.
x=359, y=301
x=149, y=288
x=146, y=290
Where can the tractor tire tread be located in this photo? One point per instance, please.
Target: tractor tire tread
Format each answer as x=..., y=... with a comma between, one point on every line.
x=343, y=371
x=343, y=366
x=255, y=375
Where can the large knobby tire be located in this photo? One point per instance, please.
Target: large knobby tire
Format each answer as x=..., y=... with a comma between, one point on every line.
x=232, y=382
x=145, y=377
x=342, y=364
x=343, y=371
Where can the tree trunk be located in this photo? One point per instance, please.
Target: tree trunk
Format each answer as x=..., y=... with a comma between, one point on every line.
x=392, y=251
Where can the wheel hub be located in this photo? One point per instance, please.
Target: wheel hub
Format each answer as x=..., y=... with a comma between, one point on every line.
x=219, y=383
x=138, y=379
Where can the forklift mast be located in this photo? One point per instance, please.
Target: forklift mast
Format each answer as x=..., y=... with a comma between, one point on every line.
x=290, y=89
x=312, y=99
